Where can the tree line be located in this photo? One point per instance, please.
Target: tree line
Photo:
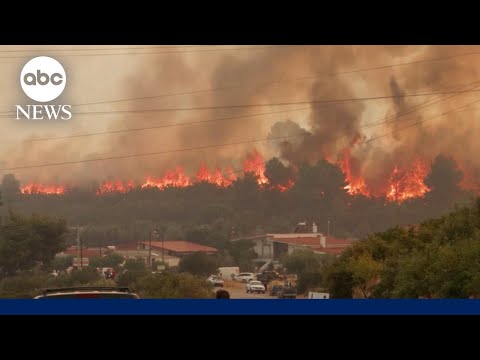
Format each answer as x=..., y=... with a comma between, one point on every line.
x=207, y=214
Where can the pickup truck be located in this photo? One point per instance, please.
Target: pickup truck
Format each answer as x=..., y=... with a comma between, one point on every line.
x=287, y=292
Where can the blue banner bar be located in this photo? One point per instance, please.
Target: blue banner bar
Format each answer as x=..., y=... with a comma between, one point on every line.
x=238, y=307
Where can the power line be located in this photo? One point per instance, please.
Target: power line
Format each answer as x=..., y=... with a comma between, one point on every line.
x=422, y=121
x=213, y=146
x=420, y=106
x=242, y=106
x=194, y=92
x=163, y=52
x=389, y=133
x=277, y=81
x=147, y=154
x=111, y=48
x=385, y=120
x=166, y=125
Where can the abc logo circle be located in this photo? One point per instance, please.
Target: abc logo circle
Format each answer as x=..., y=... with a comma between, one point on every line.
x=43, y=79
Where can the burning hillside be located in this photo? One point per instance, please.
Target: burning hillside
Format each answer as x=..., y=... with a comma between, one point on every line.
x=402, y=183
x=359, y=111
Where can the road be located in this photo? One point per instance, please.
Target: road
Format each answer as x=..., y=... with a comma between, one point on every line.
x=237, y=291
x=240, y=293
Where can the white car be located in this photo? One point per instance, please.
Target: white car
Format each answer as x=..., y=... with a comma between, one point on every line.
x=255, y=286
x=245, y=277
x=215, y=280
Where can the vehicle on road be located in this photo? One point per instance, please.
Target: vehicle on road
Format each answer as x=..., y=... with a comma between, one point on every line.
x=274, y=290
x=255, y=286
x=215, y=280
x=88, y=292
x=269, y=276
x=228, y=272
x=287, y=292
x=318, y=295
x=245, y=277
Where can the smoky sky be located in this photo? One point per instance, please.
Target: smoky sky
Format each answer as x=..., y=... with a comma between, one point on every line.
x=300, y=74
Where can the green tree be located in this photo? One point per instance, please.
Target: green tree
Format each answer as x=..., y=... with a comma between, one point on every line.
x=365, y=272
x=135, y=265
x=204, y=234
x=27, y=241
x=277, y=173
x=309, y=267
x=173, y=286
x=246, y=193
x=130, y=277
x=243, y=254
x=110, y=260
x=60, y=263
x=24, y=286
x=198, y=264
x=299, y=260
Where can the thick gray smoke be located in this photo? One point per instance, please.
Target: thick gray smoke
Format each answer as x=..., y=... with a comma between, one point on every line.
x=277, y=75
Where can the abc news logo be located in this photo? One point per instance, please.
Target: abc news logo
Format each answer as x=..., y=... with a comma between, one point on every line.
x=43, y=79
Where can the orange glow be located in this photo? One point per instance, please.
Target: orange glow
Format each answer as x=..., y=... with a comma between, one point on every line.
x=172, y=178
x=402, y=183
x=33, y=188
x=115, y=186
x=408, y=183
x=286, y=187
x=255, y=164
x=356, y=185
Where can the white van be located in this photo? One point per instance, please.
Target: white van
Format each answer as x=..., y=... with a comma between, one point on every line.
x=228, y=273
x=318, y=295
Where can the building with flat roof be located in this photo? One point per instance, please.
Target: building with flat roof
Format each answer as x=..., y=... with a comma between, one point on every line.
x=178, y=248
x=273, y=246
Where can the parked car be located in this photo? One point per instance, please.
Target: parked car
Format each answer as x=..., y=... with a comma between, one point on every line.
x=269, y=276
x=287, y=292
x=245, y=277
x=255, y=286
x=215, y=280
x=275, y=289
x=88, y=292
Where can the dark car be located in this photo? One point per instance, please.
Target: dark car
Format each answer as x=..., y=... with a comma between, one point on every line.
x=269, y=276
x=275, y=289
x=287, y=292
x=88, y=292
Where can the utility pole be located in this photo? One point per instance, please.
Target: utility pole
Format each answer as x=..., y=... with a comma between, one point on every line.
x=80, y=245
x=150, y=250
x=103, y=241
x=163, y=242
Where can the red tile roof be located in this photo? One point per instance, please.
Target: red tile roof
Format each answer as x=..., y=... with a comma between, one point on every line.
x=307, y=241
x=331, y=242
x=127, y=246
x=333, y=251
x=181, y=246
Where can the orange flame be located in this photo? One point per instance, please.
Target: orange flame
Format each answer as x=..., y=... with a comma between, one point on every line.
x=172, y=178
x=255, y=164
x=402, y=184
x=408, y=183
x=286, y=187
x=115, y=186
x=356, y=185
x=216, y=177
x=34, y=188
